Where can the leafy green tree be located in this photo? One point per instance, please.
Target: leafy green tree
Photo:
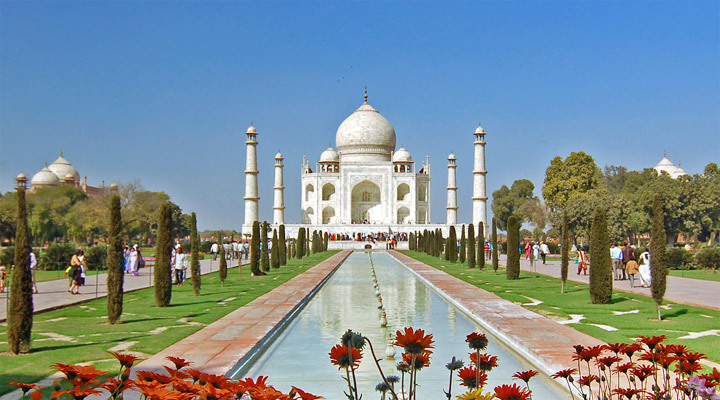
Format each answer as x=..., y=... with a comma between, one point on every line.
x=480, y=246
x=453, y=250
x=8, y=208
x=115, y=270
x=274, y=251
x=658, y=265
x=512, y=270
x=518, y=200
x=222, y=270
x=471, y=246
x=255, y=250
x=283, y=250
x=264, y=254
x=195, y=251
x=601, y=271
x=463, y=247
x=163, y=254
x=574, y=176
x=300, y=243
x=565, y=253
x=495, y=257
x=20, y=303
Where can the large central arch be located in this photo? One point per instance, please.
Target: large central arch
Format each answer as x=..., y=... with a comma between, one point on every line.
x=365, y=203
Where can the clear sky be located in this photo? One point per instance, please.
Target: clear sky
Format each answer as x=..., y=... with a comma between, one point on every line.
x=163, y=91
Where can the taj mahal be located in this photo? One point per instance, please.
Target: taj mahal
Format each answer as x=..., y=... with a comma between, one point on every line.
x=365, y=184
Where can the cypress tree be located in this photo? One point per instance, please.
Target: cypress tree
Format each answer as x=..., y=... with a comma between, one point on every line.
x=264, y=253
x=411, y=241
x=432, y=243
x=315, y=242
x=20, y=304
x=300, y=243
x=447, y=249
x=440, y=241
x=282, y=250
x=326, y=241
x=480, y=246
x=495, y=258
x=223, y=262
x=512, y=270
x=564, y=251
x=163, y=254
x=601, y=272
x=275, y=252
x=658, y=265
x=115, y=270
x=307, y=242
x=426, y=242
x=452, y=244
x=255, y=250
x=463, y=247
x=471, y=246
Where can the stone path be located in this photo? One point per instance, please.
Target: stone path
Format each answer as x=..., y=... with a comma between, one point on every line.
x=54, y=294
x=695, y=292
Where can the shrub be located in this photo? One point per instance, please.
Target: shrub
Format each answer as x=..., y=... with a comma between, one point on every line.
x=471, y=246
x=20, y=301
x=114, y=255
x=553, y=247
x=163, y=251
x=205, y=246
x=96, y=257
x=7, y=256
x=512, y=270
x=57, y=253
x=708, y=258
x=658, y=266
x=677, y=257
x=601, y=273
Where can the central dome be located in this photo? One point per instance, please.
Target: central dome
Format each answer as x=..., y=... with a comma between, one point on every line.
x=365, y=136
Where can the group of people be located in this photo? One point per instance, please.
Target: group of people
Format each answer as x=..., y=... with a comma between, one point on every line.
x=33, y=267
x=76, y=272
x=626, y=266
x=234, y=250
x=132, y=260
x=534, y=251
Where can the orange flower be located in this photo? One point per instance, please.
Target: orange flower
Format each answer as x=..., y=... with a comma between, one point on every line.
x=631, y=349
x=421, y=360
x=414, y=341
x=26, y=387
x=67, y=369
x=177, y=374
x=36, y=395
x=587, y=380
x=651, y=341
x=486, y=361
x=112, y=385
x=186, y=387
x=179, y=362
x=126, y=360
x=268, y=393
x=642, y=371
x=248, y=384
x=194, y=374
x=86, y=373
x=565, y=373
x=693, y=357
x=218, y=381
x=525, y=375
x=210, y=392
x=514, y=392
x=78, y=393
x=468, y=376
x=149, y=376
x=153, y=391
x=345, y=357
x=477, y=341
x=303, y=395
x=607, y=361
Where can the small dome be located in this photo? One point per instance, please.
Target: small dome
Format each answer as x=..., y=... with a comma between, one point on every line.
x=480, y=129
x=21, y=177
x=278, y=156
x=402, y=155
x=451, y=156
x=329, y=155
x=668, y=167
x=45, y=178
x=113, y=185
x=365, y=135
x=251, y=129
x=61, y=168
x=69, y=177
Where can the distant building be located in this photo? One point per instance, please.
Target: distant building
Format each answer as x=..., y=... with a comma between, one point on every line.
x=668, y=167
x=61, y=172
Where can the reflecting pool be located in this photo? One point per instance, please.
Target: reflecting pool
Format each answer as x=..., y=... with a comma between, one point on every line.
x=299, y=355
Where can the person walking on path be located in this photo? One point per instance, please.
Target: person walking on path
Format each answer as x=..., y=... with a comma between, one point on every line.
x=74, y=273
x=544, y=251
x=3, y=278
x=246, y=249
x=214, y=250
x=631, y=268
x=617, y=258
x=628, y=254
x=528, y=250
x=644, y=269
x=133, y=260
x=180, y=266
x=33, y=268
x=583, y=260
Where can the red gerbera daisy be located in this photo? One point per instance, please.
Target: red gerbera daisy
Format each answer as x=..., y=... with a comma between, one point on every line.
x=525, y=376
x=149, y=376
x=26, y=387
x=628, y=393
x=587, y=380
x=78, y=393
x=421, y=360
x=468, y=376
x=194, y=374
x=126, y=360
x=514, y=392
x=486, y=362
x=303, y=395
x=414, y=341
x=565, y=373
x=179, y=362
x=345, y=357
x=477, y=341
x=642, y=371
x=616, y=348
x=651, y=341
x=693, y=357
x=631, y=349
x=607, y=361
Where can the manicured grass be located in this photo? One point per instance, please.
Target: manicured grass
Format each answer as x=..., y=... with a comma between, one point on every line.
x=678, y=320
x=697, y=274
x=80, y=333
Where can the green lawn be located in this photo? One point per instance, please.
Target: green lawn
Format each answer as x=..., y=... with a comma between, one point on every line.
x=79, y=333
x=697, y=274
x=637, y=315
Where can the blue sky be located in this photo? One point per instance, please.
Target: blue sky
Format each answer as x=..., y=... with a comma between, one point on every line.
x=163, y=91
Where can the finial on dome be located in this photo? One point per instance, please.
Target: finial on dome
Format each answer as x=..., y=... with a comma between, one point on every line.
x=61, y=153
x=366, y=94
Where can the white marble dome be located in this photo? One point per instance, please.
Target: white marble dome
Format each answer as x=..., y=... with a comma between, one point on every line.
x=402, y=155
x=329, y=155
x=365, y=135
x=44, y=178
x=667, y=166
x=62, y=168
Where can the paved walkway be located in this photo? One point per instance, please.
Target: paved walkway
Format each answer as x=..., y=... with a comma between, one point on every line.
x=54, y=294
x=695, y=292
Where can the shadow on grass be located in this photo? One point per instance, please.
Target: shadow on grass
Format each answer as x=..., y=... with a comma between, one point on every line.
x=5, y=380
x=676, y=313
x=617, y=300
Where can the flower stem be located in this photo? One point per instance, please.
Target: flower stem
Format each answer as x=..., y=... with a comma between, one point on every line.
x=372, y=351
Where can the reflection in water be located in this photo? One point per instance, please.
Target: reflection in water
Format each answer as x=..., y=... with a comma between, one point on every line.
x=347, y=301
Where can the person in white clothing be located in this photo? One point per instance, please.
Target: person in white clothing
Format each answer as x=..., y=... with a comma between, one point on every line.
x=214, y=250
x=544, y=251
x=180, y=266
x=644, y=269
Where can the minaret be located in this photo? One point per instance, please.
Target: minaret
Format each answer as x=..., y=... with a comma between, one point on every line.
x=479, y=186
x=251, y=182
x=279, y=203
x=452, y=191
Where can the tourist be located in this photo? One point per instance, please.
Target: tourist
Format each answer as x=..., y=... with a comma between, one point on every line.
x=583, y=260
x=81, y=257
x=133, y=260
x=126, y=259
x=180, y=264
x=246, y=249
x=644, y=269
x=3, y=279
x=214, y=250
x=617, y=258
x=33, y=267
x=488, y=250
x=628, y=254
x=74, y=273
x=536, y=252
x=544, y=251
x=631, y=268
x=528, y=250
